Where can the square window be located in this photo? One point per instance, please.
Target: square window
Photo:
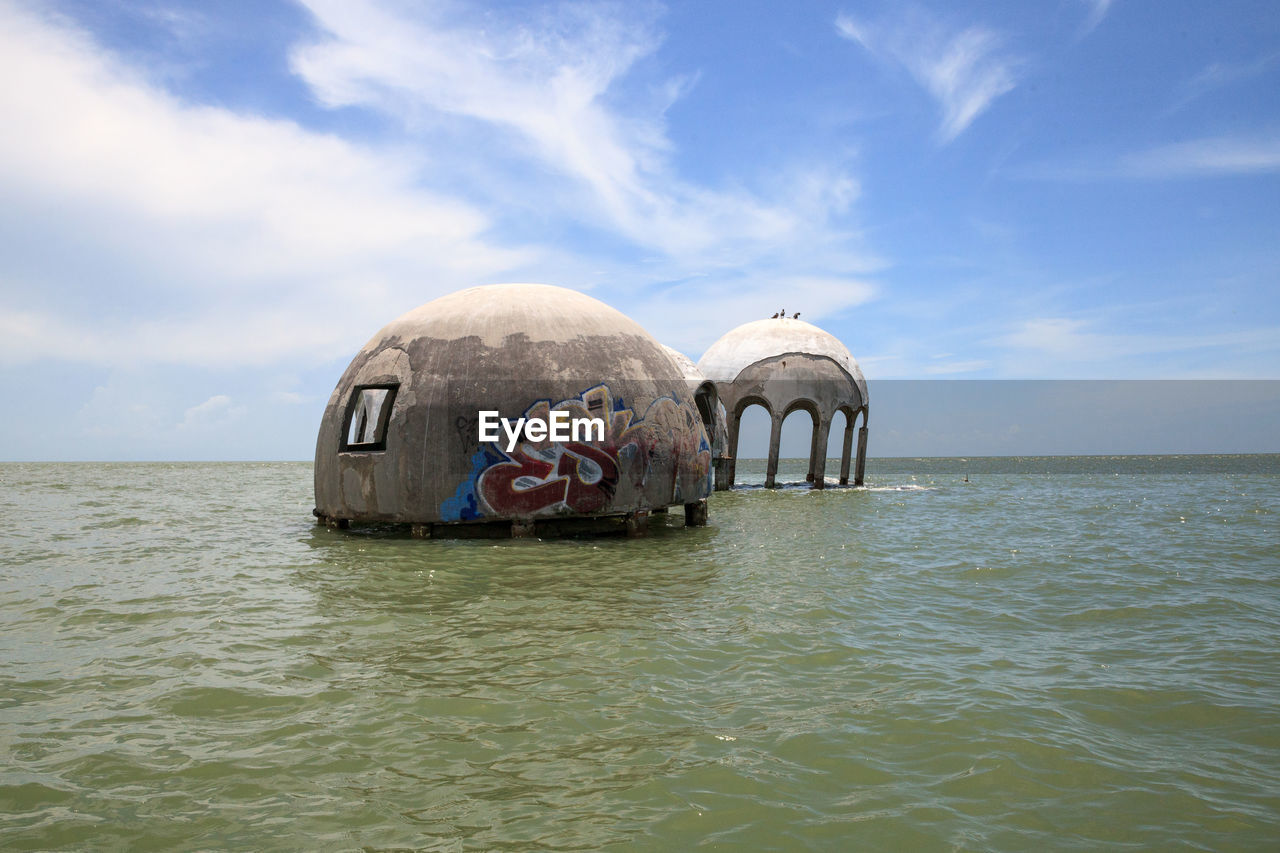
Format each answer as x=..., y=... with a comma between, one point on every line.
x=367, y=417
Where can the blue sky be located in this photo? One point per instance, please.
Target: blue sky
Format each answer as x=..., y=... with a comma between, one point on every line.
x=208, y=207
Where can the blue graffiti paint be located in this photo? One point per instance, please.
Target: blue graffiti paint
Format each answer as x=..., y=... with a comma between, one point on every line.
x=464, y=505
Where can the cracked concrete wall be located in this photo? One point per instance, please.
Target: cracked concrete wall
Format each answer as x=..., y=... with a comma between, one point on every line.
x=520, y=350
x=790, y=381
x=700, y=384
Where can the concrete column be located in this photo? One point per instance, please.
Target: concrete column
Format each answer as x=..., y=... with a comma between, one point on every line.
x=861, y=468
x=637, y=523
x=775, y=438
x=725, y=465
x=724, y=474
x=813, y=450
x=818, y=455
x=695, y=514
x=847, y=452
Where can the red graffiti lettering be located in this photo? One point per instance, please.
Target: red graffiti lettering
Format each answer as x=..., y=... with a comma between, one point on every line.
x=500, y=490
x=583, y=494
x=584, y=480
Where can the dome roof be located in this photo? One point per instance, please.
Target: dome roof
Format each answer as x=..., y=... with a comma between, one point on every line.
x=540, y=313
x=753, y=342
x=686, y=365
x=522, y=332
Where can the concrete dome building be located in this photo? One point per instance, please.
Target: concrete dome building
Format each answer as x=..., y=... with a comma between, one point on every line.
x=786, y=365
x=707, y=399
x=401, y=439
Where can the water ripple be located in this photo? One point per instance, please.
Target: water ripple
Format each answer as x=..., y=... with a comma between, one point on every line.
x=1071, y=657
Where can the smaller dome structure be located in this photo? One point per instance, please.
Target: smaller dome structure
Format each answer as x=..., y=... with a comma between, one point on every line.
x=707, y=398
x=786, y=365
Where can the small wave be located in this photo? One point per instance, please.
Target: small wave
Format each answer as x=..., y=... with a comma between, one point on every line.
x=130, y=521
x=831, y=485
x=908, y=487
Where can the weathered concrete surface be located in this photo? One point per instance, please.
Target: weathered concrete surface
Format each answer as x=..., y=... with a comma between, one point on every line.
x=521, y=350
x=707, y=397
x=763, y=339
x=786, y=365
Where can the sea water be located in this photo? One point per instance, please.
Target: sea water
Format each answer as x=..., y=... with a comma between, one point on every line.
x=987, y=654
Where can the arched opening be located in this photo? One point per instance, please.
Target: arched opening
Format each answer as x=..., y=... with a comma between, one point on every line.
x=749, y=443
x=842, y=421
x=841, y=442
x=848, y=443
x=705, y=399
x=799, y=428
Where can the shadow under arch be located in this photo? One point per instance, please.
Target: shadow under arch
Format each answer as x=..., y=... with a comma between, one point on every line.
x=705, y=398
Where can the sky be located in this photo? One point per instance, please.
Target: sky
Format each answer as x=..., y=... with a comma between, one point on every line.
x=206, y=208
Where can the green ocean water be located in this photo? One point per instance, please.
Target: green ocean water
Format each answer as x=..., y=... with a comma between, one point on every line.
x=1061, y=653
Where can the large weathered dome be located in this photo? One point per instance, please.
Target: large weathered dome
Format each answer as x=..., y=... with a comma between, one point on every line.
x=400, y=436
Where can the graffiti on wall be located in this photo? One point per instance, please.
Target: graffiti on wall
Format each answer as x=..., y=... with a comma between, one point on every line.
x=659, y=458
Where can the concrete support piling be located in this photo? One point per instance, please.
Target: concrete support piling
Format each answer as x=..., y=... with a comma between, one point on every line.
x=847, y=453
x=775, y=438
x=724, y=473
x=818, y=454
x=728, y=464
x=637, y=523
x=861, y=469
x=813, y=451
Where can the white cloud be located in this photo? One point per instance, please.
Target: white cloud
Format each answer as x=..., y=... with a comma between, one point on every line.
x=1208, y=157
x=222, y=335
x=116, y=409
x=1218, y=75
x=1057, y=336
x=953, y=367
x=246, y=239
x=550, y=85
x=1223, y=155
x=214, y=413
x=140, y=228
x=679, y=315
x=1097, y=10
x=964, y=71
x=1048, y=346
